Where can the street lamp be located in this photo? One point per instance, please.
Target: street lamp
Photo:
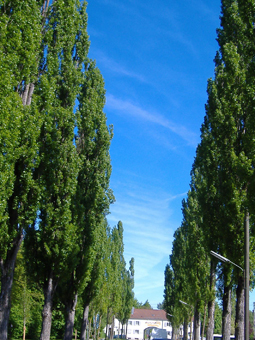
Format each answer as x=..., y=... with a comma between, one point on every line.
x=246, y=287
x=224, y=259
x=185, y=303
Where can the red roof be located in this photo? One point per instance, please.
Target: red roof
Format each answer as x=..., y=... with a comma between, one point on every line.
x=149, y=314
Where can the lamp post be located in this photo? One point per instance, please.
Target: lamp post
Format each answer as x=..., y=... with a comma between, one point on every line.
x=185, y=303
x=246, y=283
x=224, y=259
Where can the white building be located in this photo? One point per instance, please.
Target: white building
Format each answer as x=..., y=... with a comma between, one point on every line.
x=141, y=319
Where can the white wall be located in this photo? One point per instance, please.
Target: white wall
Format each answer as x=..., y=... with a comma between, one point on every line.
x=135, y=328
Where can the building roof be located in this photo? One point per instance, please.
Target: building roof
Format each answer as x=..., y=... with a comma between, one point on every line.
x=148, y=314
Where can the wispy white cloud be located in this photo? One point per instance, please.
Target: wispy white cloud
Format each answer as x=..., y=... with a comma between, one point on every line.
x=115, y=67
x=146, y=213
x=129, y=108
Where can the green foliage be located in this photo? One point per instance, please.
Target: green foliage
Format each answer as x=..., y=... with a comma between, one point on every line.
x=52, y=236
x=58, y=322
x=27, y=301
x=128, y=294
x=160, y=305
x=172, y=295
x=19, y=125
x=141, y=305
x=19, y=130
x=222, y=174
x=115, y=271
x=218, y=319
x=43, y=49
x=92, y=198
x=55, y=168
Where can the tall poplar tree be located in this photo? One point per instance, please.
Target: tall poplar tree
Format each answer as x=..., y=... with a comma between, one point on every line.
x=19, y=128
x=115, y=275
x=93, y=195
x=44, y=68
x=229, y=131
x=171, y=302
x=189, y=262
x=52, y=238
x=128, y=295
x=97, y=293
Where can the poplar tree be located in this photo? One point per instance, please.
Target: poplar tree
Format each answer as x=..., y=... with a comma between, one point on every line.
x=19, y=128
x=115, y=275
x=52, y=238
x=171, y=302
x=94, y=295
x=93, y=195
x=97, y=294
x=188, y=268
x=128, y=294
x=44, y=70
x=205, y=181
x=229, y=131
x=197, y=258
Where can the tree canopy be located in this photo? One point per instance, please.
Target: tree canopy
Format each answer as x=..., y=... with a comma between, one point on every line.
x=55, y=172
x=221, y=188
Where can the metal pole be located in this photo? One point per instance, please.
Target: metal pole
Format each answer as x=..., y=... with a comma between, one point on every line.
x=247, y=275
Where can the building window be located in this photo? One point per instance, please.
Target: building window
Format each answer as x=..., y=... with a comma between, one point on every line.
x=166, y=324
x=136, y=331
x=129, y=331
x=130, y=322
x=137, y=323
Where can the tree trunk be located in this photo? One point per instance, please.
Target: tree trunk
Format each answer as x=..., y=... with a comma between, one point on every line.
x=108, y=328
x=99, y=326
x=211, y=304
x=24, y=332
x=192, y=328
x=27, y=94
x=7, y=272
x=196, y=325
x=185, y=329
x=112, y=328
x=89, y=330
x=174, y=333
x=226, y=315
x=47, y=309
x=122, y=329
x=239, y=322
x=204, y=322
x=94, y=326
x=69, y=324
x=210, y=324
x=85, y=322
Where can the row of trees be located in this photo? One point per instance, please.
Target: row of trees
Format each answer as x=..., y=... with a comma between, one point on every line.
x=93, y=310
x=222, y=191
x=55, y=166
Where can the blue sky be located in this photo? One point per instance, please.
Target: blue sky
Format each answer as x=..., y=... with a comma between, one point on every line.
x=155, y=57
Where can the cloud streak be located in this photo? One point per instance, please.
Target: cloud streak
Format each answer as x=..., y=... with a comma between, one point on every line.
x=115, y=67
x=129, y=108
x=146, y=214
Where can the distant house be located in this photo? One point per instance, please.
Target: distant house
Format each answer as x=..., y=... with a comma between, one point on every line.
x=141, y=319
